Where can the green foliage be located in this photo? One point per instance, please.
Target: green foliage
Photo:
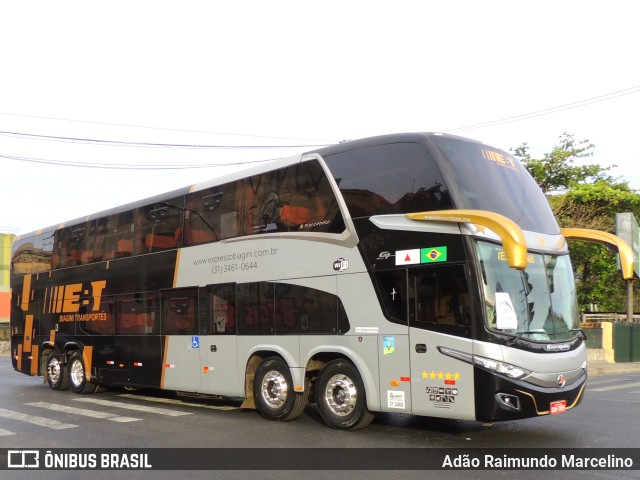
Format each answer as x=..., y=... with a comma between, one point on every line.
x=556, y=172
x=613, y=198
x=597, y=277
x=585, y=196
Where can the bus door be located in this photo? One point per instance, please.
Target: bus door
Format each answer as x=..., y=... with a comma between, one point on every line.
x=439, y=328
x=217, y=345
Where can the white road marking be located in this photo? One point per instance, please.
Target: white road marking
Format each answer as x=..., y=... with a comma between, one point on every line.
x=172, y=401
x=4, y=433
x=41, y=421
x=130, y=406
x=602, y=381
x=615, y=387
x=83, y=412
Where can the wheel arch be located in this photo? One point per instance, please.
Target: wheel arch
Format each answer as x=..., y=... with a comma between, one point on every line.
x=255, y=358
x=71, y=347
x=318, y=358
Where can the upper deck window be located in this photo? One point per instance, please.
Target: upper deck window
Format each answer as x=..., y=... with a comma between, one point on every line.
x=392, y=178
x=33, y=254
x=484, y=178
x=297, y=198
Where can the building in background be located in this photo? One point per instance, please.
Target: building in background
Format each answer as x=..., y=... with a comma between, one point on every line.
x=6, y=239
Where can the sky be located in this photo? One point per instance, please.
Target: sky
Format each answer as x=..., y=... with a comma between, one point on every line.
x=143, y=80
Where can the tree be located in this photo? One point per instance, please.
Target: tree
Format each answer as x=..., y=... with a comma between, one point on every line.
x=585, y=196
x=555, y=172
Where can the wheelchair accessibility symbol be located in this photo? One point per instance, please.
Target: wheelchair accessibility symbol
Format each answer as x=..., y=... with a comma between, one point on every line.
x=195, y=343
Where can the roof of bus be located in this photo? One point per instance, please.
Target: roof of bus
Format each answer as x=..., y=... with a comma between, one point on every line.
x=264, y=167
x=419, y=137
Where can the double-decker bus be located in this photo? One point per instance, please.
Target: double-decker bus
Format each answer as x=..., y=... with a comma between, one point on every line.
x=411, y=273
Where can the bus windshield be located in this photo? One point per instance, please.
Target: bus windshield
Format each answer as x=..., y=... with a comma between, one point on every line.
x=484, y=178
x=538, y=303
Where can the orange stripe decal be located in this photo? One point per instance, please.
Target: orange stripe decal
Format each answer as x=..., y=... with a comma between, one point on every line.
x=175, y=272
x=35, y=356
x=26, y=293
x=20, y=357
x=164, y=360
x=87, y=356
x=28, y=332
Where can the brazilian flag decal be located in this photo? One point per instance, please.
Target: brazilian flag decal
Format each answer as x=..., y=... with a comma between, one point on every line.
x=433, y=254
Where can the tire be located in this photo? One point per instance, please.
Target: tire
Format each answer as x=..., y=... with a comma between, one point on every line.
x=56, y=373
x=273, y=391
x=77, y=375
x=341, y=398
x=44, y=359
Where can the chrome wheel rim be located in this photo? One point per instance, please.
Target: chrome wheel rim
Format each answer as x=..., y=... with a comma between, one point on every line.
x=274, y=389
x=341, y=395
x=76, y=373
x=54, y=370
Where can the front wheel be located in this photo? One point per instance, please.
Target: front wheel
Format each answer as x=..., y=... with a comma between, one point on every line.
x=341, y=397
x=273, y=391
x=56, y=373
x=77, y=375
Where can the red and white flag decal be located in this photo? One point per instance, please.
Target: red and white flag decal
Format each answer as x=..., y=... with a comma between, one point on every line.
x=407, y=257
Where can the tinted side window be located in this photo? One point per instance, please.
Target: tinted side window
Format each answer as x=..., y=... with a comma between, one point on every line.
x=33, y=254
x=213, y=214
x=295, y=198
x=393, y=178
x=116, y=236
x=254, y=308
x=300, y=310
x=161, y=225
x=265, y=308
x=392, y=290
x=137, y=314
x=102, y=323
x=431, y=298
x=180, y=311
x=439, y=296
x=75, y=244
x=223, y=310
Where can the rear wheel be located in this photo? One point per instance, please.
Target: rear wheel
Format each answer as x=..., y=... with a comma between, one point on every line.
x=56, y=373
x=341, y=398
x=77, y=375
x=44, y=359
x=273, y=391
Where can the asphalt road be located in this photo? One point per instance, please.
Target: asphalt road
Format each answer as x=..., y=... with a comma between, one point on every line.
x=34, y=416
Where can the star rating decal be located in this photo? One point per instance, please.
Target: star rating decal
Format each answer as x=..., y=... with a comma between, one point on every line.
x=440, y=375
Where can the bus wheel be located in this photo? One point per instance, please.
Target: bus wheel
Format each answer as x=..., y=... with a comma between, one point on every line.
x=273, y=391
x=341, y=398
x=56, y=374
x=77, y=377
x=44, y=359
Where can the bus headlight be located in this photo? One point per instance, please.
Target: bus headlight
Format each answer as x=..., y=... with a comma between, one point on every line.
x=503, y=368
x=511, y=371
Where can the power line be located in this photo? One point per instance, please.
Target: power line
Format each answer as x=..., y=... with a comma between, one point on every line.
x=164, y=128
x=149, y=144
x=548, y=111
x=122, y=166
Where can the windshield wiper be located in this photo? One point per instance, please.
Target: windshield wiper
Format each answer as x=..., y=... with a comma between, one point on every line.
x=515, y=339
x=580, y=331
